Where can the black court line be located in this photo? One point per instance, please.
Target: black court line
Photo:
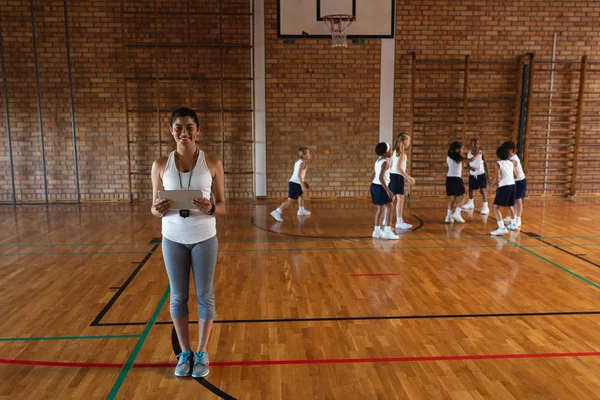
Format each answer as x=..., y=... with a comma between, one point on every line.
x=579, y=256
x=371, y=318
x=202, y=381
x=253, y=223
x=102, y=313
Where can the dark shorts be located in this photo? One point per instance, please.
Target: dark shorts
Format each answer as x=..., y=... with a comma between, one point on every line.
x=521, y=188
x=477, y=182
x=378, y=195
x=505, y=196
x=396, y=184
x=454, y=186
x=294, y=191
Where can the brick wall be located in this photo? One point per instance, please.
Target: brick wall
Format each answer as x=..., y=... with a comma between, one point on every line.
x=327, y=99
x=156, y=63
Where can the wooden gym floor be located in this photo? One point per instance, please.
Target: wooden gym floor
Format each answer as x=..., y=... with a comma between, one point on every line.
x=306, y=309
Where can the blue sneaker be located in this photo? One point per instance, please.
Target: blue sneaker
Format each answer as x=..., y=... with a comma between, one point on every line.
x=183, y=364
x=200, y=369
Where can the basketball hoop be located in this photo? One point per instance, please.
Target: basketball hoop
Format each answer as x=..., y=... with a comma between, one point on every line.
x=337, y=24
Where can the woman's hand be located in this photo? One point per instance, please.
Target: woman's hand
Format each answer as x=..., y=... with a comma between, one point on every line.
x=204, y=205
x=162, y=206
x=412, y=181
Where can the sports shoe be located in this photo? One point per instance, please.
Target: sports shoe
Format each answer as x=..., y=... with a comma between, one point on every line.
x=499, y=231
x=458, y=218
x=513, y=226
x=448, y=219
x=507, y=220
x=403, y=225
x=376, y=234
x=200, y=369
x=304, y=212
x=484, y=211
x=389, y=235
x=183, y=364
x=277, y=215
x=468, y=205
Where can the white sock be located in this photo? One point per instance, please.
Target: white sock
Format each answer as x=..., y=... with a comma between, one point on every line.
x=457, y=210
x=387, y=229
x=377, y=228
x=518, y=220
x=279, y=210
x=485, y=204
x=449, y=212
x=501, y=224
x=301, y=209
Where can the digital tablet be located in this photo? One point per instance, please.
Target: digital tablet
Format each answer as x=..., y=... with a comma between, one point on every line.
x=181, y=199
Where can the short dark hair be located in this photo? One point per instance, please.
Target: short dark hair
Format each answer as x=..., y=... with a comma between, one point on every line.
x=503, y=152
x=184, y=112
x=381, y=149
x=509, y=145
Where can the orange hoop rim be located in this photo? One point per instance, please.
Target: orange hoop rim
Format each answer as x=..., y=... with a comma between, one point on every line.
x=342, y=21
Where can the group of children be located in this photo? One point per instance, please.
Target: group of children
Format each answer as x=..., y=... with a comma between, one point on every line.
x=389, y=176
x=509, y=180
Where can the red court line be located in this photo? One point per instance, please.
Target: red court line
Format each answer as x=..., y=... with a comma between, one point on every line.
x=305, y=362
x=374, y=274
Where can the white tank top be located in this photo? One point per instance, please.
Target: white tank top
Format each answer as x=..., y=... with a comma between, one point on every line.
x=454, y=168
x=295, y=175
x=386, y=175
x=507, y=168
x=198, y=226
x=477, y=163
x=395, y=158
x=520, y=173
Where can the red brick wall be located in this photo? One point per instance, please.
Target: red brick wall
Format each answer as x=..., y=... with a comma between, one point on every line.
x=327, y=99
x=106, y=63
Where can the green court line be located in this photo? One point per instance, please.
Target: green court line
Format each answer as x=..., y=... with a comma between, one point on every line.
x=76, y=253
x=67, y=338
x=554, y=264
x=129, y=363
x=353, y=248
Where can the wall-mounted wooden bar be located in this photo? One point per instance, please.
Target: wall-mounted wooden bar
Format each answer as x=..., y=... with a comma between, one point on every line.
x=578, y=124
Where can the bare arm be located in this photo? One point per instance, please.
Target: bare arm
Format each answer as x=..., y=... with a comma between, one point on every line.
x=218, y=188
x=403, y=171
x=514, y=168
x=384, y=168
x=159, y=207
x=303, y=167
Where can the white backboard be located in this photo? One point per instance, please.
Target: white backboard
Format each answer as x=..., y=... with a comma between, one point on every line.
x=303, y=18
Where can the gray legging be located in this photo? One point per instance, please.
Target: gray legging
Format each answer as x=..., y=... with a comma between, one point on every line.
x=202, y=257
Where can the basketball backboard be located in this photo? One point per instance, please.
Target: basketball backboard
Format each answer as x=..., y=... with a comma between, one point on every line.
x=304, y=18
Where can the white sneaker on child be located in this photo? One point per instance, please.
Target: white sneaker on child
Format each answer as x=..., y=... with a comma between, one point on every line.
x=403, y=225
x=376, y=234
x=484, y=211
x=303, y=212
x=499, y=231
x=448, y=219
x=458, y=218
x=277, y=215
x=513, y=226
x=507, y=220
x=469, y=205
x=389, y=235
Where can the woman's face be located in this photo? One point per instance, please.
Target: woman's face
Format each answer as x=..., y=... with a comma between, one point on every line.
x=184, y=131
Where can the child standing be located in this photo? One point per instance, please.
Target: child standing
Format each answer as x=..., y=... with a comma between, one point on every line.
x=505, y=194
x=381, y=195
x=455, y=188
x=478, y=177
x=398, y=175
x=520, y=181
x=296, y=186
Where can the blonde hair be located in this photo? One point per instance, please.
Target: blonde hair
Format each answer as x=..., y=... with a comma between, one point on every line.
x=302, y=152
x=399, y=139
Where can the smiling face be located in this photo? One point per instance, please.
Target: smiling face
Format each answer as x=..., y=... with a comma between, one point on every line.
x=184, y=131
